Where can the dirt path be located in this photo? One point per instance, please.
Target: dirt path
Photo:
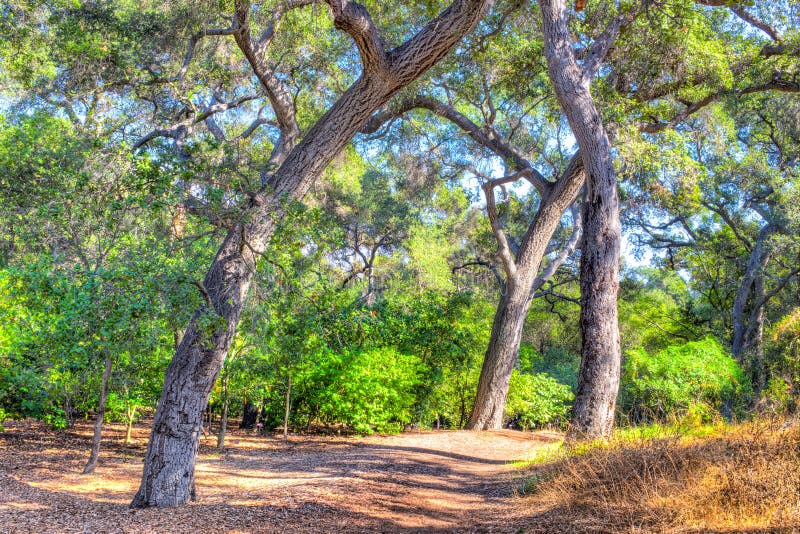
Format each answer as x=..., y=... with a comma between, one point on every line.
x=418, y=481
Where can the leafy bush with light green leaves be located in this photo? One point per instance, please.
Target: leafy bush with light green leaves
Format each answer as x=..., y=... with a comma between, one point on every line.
x=698, y=377
x=373, y=390
x=536, y=400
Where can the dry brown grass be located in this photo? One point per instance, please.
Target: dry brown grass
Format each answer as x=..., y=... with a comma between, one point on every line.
x=743, y=478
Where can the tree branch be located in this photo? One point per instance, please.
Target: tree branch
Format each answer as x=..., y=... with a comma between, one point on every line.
x=279, y=95
x=180, y=127
x=480, y=135
x=355, y=20
x=486, y=264
x=740, y=12
x=603, y=42
x=503, y=248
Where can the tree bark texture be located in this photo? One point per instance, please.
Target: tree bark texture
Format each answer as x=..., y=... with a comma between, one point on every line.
x=598, y=381
x=101, y=412
x=168, y=473
x=746, y=295
x=509, y=320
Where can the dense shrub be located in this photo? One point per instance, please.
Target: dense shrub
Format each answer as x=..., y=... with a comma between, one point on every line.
x=535, y=400
x=372, y=390
x=697, y=378
x=555, y=362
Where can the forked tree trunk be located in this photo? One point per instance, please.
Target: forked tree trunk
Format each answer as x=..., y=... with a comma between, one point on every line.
x=168, y=473
x=598, y=380
x=101, y=412
x=509, y=319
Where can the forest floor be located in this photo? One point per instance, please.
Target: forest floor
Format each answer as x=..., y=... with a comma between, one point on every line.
x=415, y=481
x=723, y=478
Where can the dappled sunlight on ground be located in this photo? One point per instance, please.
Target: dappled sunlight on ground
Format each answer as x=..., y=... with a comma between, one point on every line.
x=418, y=480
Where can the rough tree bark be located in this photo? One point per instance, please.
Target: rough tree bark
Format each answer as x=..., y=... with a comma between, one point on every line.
x=598, y=380
x=249, y=415
x=101, y=412
x=168, y=474
x=747, y=294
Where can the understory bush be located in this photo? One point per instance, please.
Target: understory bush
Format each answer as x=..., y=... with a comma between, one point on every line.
x=536, y=400
x=373, y=390
x=698, y=379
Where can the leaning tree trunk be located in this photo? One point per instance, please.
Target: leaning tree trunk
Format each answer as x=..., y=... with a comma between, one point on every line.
x=509, y=319
x=501, y=355
x=751, y=351
x=598, y=380
x=168, y=473
x=101, y=412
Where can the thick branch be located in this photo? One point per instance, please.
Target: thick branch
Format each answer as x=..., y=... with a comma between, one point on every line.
x=503, y=248
x=602, y=44
x=740, y=12
x=279, y=95
x=354, y=19
x=480, y=135
x=569, y=248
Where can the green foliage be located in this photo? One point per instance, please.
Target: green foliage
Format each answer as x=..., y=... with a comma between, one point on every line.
x=556, y=362
x=698, y=379
x=536, y=400
x=778, y=397
x=373, y=390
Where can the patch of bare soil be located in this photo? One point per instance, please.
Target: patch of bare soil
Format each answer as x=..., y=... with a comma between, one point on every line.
x=452, y=481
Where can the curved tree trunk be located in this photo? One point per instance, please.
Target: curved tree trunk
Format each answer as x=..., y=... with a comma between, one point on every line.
x=168, y=473
x=101, y=412
x=598, y=381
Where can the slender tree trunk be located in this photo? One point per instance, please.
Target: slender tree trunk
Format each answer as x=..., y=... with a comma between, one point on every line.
x=223, y=426
x=168, y=473
x=598, y=381
x=223, y=423
x=509, y=320
x=130, y=414
x=288, y=407
x=101, y=411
